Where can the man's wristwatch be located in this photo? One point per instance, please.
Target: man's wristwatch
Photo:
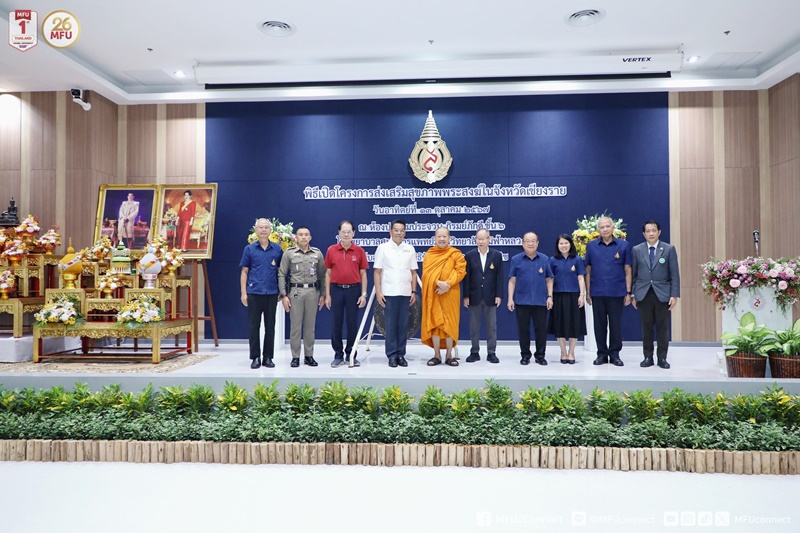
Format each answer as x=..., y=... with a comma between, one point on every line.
x=363, y=294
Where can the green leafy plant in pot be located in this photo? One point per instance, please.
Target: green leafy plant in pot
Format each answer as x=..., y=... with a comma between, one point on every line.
x=747, y=349
x=784, y=356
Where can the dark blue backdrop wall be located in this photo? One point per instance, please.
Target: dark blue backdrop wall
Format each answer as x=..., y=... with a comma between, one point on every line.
x=610, y=151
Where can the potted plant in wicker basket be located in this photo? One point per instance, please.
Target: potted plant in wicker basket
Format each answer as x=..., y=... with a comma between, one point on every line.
x=747, y=349
x=784, y=358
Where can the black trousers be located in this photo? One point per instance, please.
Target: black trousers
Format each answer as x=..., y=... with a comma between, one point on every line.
x=654, y=313
x=526, y=313
x=607, y=314
x=344, y=305
x=259, y=305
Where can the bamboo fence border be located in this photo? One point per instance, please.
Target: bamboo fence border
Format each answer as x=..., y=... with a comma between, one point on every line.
x=372, y=454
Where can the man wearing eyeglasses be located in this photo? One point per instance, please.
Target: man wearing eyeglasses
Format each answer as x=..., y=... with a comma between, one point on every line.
x=346, y=281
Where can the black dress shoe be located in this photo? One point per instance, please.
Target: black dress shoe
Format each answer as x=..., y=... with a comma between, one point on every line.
x=616, y=361
x=295, y=362
x=571, y=361
x=401, y=361
x=647, y=361
x=492, y=358
x=540, y=360
x=600, y=360
x=525, y=360
x=255, y=363
x=393, y=362
x=564, y=361
x=268, y=362
x=473, y=357
x=309, y=361
x=663, y=363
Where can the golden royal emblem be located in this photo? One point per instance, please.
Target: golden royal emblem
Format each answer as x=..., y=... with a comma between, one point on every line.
x=430, y=159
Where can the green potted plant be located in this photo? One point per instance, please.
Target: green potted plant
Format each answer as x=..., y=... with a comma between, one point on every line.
x=747, y=349
x=784, y=357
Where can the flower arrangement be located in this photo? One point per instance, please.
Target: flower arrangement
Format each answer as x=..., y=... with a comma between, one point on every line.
x=4, y=239
x=8, y=280
x=140, y=312
x=282, y=234
x=587, y=231
x=108, y=281
x=17, y=248
x=170, y=217
x=172, y=259
x=159, y=246
x=62, y=311
x=30, y=225
x=50, y=239
x=100, y=249
x=723, y=280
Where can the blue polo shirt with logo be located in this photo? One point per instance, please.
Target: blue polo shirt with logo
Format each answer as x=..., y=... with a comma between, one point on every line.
x=531, y=273
x=607, y=262
x=565, y=273
x=262, y=276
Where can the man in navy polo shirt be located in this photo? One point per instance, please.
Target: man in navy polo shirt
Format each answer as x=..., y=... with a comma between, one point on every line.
x=346, y=281
x=259, y=284
x=530, y=295
x=608, y=286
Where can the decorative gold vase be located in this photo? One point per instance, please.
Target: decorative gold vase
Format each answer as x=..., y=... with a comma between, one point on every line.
x=4, y=294
x=109, y=293
x=14, y=260
x=69, y=280
x=48, y=249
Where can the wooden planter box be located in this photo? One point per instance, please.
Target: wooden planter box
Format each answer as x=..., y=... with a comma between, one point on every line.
x=746, y=365
x=372, y=454
x=784, y=366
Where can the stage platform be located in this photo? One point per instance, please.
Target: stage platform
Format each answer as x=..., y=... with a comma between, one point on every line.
x=695, y=368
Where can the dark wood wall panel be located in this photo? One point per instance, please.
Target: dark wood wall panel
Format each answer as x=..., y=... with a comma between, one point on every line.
x=741, y=129
x=79, y=139
x=786, y=208
x=142, y=146
x=104, y=135
x=43, y=131
x=742, y=211
x=43, y=197
x=784, y=120
x=181, y=141
x=697, y=130
x=697, y=243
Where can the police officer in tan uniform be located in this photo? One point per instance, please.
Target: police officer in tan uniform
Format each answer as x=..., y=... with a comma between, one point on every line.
x=301, y=281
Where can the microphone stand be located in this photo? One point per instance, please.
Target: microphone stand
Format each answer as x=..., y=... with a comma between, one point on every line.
x=755, y=241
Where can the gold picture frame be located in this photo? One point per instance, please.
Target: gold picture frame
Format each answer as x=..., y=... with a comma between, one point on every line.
x=121, y=218
x=188, y=226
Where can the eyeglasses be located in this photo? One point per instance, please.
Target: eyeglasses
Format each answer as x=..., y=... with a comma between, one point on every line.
x=345, y=231
x=528, y=241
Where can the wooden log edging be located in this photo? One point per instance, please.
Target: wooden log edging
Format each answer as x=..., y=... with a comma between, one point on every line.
x=371, y=454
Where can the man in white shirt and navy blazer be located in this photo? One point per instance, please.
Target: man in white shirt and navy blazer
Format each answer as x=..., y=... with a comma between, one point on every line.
x=482, y=288
x=656, y=289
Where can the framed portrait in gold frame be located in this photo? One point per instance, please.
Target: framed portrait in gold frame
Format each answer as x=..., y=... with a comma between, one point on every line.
x=186, y=215
x=126, y=213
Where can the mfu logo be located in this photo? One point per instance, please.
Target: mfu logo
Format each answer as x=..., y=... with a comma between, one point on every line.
x=430, y=159
x=22, y=29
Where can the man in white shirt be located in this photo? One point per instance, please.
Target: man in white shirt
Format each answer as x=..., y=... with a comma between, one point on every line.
x=483, y=292
x=395, y=275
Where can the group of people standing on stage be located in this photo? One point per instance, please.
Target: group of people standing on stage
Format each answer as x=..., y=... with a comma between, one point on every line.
x=612, y=276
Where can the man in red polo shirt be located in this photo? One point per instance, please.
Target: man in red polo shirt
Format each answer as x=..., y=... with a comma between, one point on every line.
x=346, y=279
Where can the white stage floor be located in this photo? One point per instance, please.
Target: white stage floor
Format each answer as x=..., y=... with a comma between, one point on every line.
x=694, y=368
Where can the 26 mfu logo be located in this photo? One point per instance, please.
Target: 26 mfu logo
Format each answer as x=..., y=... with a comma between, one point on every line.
x=60, y=29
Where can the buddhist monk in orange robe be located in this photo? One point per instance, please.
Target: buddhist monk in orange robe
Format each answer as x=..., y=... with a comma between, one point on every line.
x=442, y=270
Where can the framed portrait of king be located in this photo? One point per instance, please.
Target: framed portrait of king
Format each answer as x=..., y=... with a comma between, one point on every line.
x=126, y=214
x=186, y=217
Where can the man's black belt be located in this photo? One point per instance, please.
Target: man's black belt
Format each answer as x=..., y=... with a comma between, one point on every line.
x=303, y=285
x=341, y=286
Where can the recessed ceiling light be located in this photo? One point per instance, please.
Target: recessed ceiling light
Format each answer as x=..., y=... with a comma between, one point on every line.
x=693, y=59
x=585, y=17
x=179, y=74
x=277, y=28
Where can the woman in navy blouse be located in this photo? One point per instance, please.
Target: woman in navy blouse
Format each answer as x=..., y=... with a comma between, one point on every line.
x=567, y=319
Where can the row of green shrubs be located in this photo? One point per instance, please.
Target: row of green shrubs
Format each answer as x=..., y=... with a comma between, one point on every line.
x=675, y=406
x=336, y=413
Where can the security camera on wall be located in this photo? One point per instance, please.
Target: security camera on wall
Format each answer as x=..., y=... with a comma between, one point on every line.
x=79, y=97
